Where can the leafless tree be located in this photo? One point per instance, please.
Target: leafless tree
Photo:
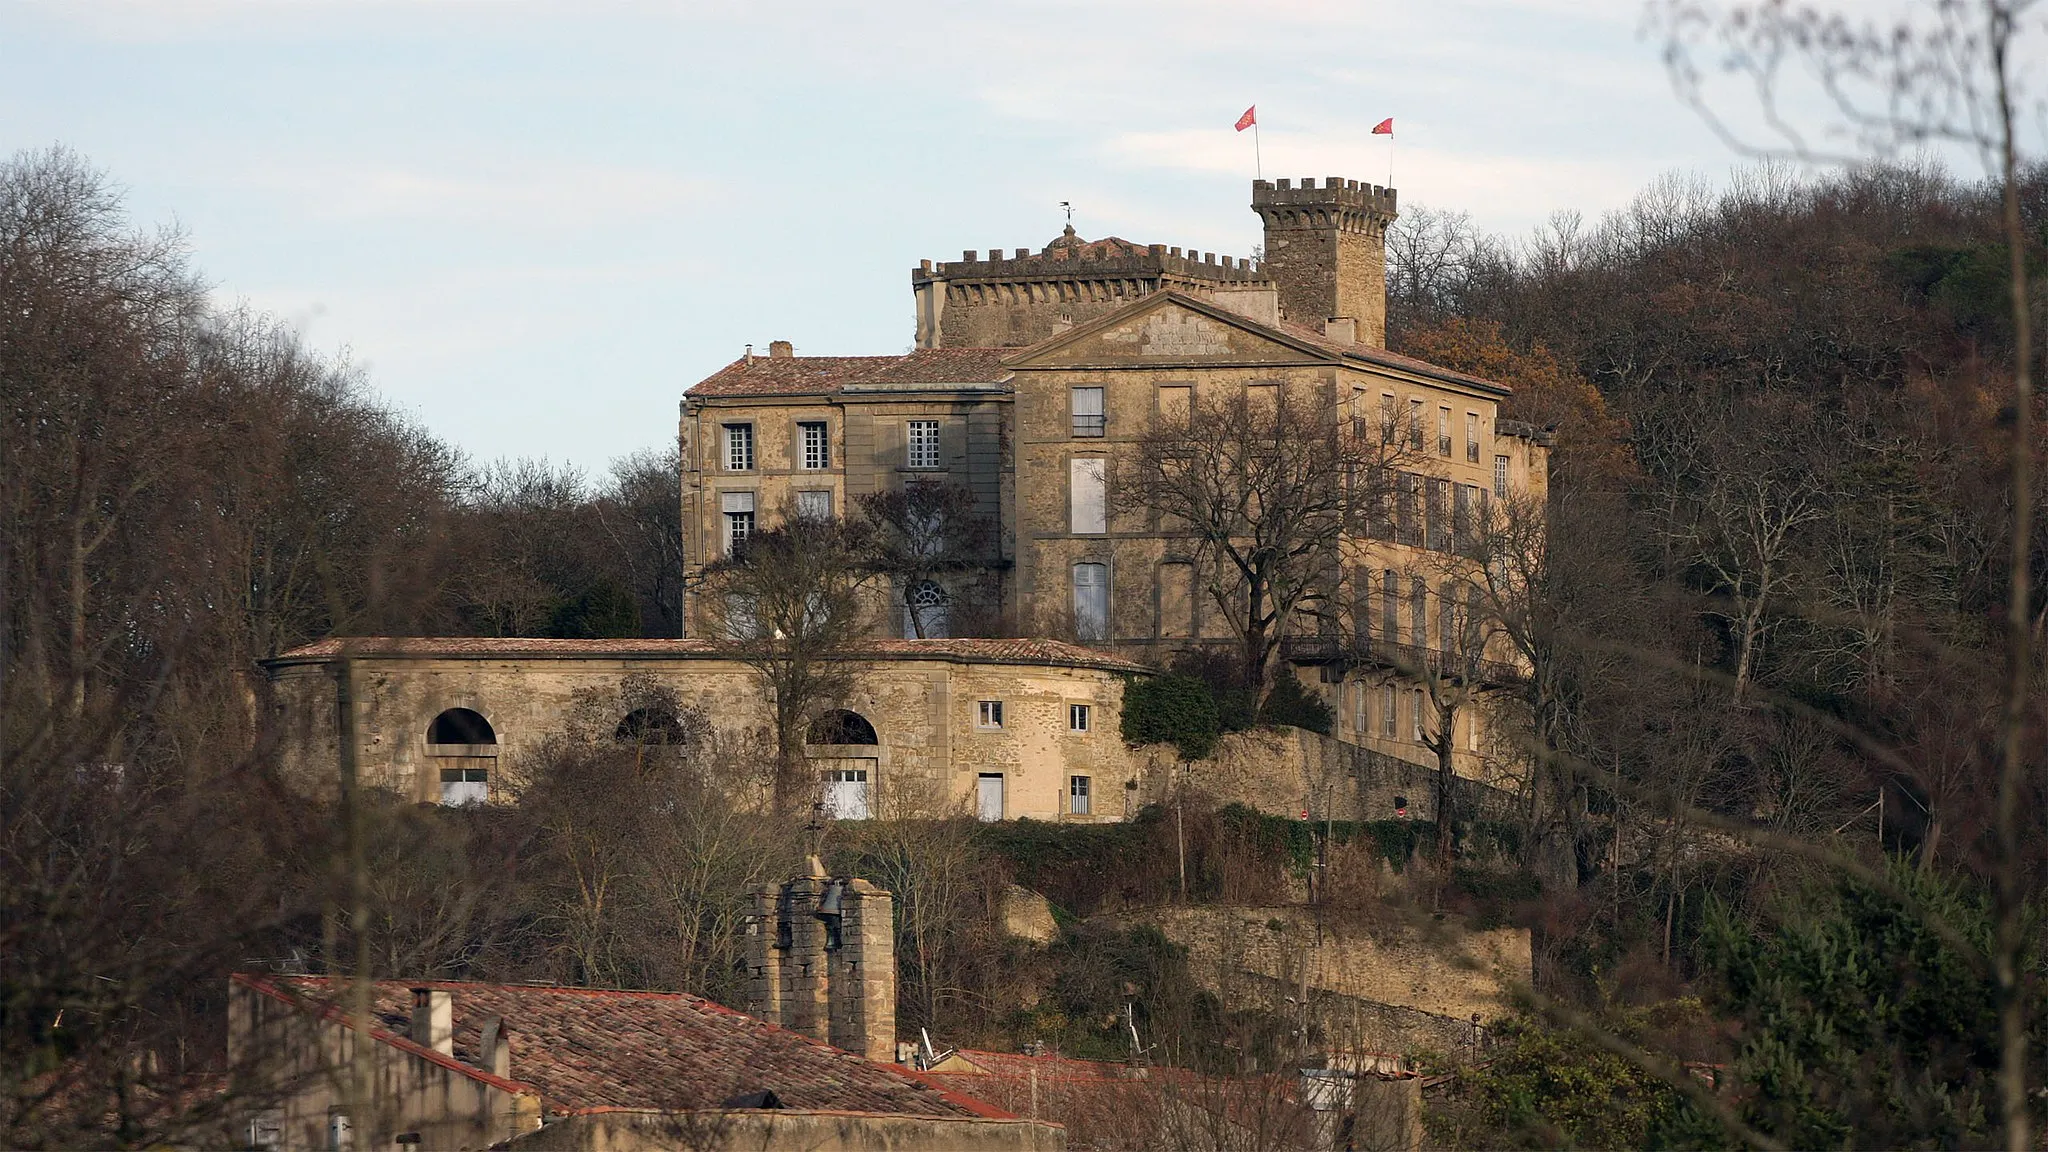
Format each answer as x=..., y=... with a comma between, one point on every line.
x=789, y=603
x=1269, y=481
x=925, y=538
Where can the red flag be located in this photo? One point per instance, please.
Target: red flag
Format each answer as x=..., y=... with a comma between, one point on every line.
x=1383, y=128
x=1250, y=118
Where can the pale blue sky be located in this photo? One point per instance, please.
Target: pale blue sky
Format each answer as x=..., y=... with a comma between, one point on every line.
x=535, y=224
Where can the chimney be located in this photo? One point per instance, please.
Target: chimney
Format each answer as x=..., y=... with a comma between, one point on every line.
x=494, y=1051
x=821, y=960
x=1342, y=329
x=780, y=349
x=433, y=1019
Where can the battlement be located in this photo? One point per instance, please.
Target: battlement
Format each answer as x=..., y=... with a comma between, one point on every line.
x=1336, y=193
x=1101, y=260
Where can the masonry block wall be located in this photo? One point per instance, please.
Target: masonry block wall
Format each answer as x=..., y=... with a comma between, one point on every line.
x=1326, y=248
x=821, y=959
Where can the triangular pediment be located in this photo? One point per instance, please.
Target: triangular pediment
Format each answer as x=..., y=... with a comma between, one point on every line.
x=1165, y=329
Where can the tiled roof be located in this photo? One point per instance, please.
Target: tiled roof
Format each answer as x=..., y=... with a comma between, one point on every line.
x=964, y=650
x=1387, y=359
x=824, y=375
x=585, y=1049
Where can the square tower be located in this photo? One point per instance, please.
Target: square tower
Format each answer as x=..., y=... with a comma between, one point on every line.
x=1326, y=249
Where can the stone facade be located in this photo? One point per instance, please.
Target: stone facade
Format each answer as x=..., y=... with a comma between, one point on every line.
x=933, y=752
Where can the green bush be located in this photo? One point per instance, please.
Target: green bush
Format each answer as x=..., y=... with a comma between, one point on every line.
x=1291, y=704
x=1177, y=710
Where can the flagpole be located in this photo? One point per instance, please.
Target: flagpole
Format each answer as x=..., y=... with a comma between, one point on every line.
x=1258, y=163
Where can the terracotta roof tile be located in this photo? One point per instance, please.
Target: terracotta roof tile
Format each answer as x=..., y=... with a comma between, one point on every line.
x=964, y=650
x=824, y=375
x=586, y=1049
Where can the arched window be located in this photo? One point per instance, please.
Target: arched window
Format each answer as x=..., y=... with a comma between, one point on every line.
x=650, y=726
x=460, y=726
x=927, y=612
x=841, y=727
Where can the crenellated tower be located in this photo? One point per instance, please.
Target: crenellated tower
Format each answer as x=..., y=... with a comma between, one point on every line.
x=1326, y=250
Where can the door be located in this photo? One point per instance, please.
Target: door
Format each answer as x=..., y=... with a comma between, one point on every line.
x=989, y=797
x=846, y=789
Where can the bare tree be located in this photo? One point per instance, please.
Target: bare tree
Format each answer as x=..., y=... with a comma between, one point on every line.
x=928, y=540
x=789, y=603
x=1268, y=481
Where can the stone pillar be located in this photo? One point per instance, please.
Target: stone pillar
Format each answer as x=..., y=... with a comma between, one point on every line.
x=864, y=973
x=764, y=956
x=805, y=985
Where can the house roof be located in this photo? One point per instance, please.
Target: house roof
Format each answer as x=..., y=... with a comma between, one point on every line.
x=588, y=1049
x=825, y=375
x=963, y=650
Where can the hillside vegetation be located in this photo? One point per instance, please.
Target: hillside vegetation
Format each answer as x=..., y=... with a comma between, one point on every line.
x=1757, y=781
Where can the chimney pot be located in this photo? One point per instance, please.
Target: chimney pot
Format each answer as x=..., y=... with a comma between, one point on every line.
x=781, y=349
x=433, y=1019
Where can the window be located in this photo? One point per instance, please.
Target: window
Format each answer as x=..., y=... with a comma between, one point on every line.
x=924, y=444
x=1439, y=515
x=1078, y=717
x=1088, y=495
x=1360, y=427
x=1087, y=412
x=1471, y=732
x=817, y=451
x=1077, y=795
x=1389, y=710
x=1091, y=601
x=989, y=714
x=461, y=786
x=1418, y=612
x=741, y=621
x=1421, y=723
x=739, y=447
x=1447, y=624
x=1472, y=437
x=988, y=797
x=814, y=505
x=1389, y=421
x=1390, y=606
x=1408, y=509
x=739, y=517
x=1500, y=476
x=1361, y=720
x=1175, y=402
x=927, y=612
x=1415, y=424
x=1464, y=533
x=1443, y=431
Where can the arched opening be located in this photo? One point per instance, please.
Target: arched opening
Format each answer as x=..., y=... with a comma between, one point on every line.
x=650, y=726
x=840, y=726
x=460, y=726
x=927, y=612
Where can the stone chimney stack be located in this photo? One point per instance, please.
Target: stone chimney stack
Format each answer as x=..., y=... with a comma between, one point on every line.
x=433, y=1020
x=780, y=349
x=1326, y=248
x=821, y=960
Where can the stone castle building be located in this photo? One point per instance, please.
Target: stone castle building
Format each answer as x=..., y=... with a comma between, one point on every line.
x=1034, y=379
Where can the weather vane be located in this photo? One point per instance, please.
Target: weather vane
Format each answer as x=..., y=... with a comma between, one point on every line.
x=1069, y=206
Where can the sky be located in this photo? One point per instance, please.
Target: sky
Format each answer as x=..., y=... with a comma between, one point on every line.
x=532, y=225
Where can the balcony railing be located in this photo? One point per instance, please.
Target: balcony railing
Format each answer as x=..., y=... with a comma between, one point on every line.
x=1371, y=652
